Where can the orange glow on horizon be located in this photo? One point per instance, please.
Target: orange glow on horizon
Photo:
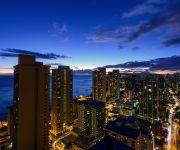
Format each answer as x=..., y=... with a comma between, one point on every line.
x=165, y=72
x=6, y=71
x=11, y=71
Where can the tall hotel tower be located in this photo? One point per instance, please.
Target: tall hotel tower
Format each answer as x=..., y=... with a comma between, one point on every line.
x=61, y=98
x=99, y=85
x=149, y=100
x=113, y=84
x=31, y=105
x=91, y=118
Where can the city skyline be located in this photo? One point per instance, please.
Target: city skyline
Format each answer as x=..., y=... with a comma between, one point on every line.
x=90, y=74
x=124, y=110
x=89, y=34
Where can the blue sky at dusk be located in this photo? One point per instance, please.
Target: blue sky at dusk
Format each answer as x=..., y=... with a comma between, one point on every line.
x=89, y=33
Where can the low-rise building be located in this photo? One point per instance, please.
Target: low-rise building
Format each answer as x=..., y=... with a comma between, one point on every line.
x=131, y=131
x=128, y=108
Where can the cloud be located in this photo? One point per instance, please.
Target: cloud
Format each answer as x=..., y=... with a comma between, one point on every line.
x=156, y=1
x=169, y=20
x=55, y=64
x=11, y=52
x=171, y=42
x=59, y=28
x=145, y=8
x=136, y=48
x=148, y=7
x=105, y=35
x=148, y=27
x=120, y=47
x=115, y=35
x=168, y=63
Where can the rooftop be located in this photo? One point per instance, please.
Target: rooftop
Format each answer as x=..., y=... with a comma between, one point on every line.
x=130, y=127
x=93, y=103
x=110, y=143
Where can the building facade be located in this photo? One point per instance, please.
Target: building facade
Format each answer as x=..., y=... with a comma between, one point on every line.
x=91, y=118
x=99, y=85
x=31, y=105
x=62, y=79
x=114, y=84
x=132, y=132
x=149, y=99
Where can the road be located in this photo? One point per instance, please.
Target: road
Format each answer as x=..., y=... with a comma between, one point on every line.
x=172, y=128
x=61, y=137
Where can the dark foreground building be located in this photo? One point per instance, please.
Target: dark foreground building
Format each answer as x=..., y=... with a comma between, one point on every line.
x=31, y=105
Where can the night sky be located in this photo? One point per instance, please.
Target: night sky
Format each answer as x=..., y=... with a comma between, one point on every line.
x=89, y=33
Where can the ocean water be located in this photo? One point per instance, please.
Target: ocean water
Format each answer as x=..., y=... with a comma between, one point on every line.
x=82, y=85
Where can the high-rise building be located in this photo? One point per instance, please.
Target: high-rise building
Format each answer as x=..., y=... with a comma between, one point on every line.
x=31, y=105
x=149, y=99
x=99, y=85
x=61, y=98
x=133, y=85
x=114, y=84
x=10, y=122
x=177, y=82
x=149, y=90
x=91, y=118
